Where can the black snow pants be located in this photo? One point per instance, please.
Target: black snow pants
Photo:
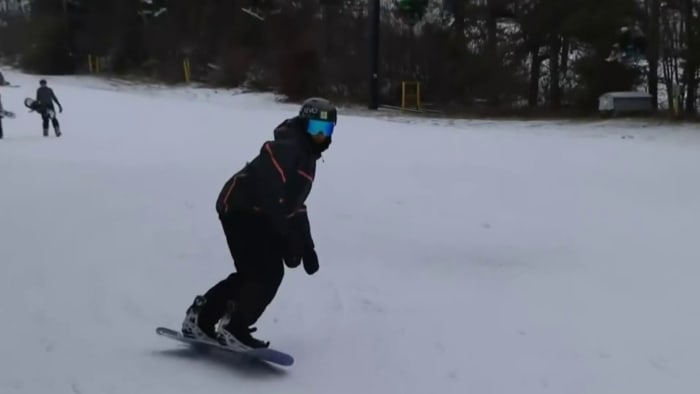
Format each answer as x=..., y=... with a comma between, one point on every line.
x=49, y=113
x=258, y=258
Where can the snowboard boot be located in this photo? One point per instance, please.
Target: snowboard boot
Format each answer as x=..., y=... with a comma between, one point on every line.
x=46, y=132
x=237, y=337
x=191, y=327
x=58, y=131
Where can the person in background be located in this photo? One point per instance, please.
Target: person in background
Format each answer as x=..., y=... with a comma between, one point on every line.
x=2, y=112
x=45, y=97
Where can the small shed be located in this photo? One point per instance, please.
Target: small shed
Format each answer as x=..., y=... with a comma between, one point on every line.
x=625, y=103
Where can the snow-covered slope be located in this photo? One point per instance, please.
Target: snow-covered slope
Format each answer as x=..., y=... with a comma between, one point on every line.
x=461, y=257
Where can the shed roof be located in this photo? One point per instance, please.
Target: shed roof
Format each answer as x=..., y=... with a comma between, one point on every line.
x=626, y=95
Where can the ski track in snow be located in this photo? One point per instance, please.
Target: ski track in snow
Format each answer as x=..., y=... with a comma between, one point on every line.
x=456, y=256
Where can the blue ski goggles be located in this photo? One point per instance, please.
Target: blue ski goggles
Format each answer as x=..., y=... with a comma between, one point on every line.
x=320, y=127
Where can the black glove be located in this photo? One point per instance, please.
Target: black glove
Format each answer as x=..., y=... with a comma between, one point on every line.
x=293, y=251
x=301, y=245
x=292, y=261
x=298, y=251
x=310, y=261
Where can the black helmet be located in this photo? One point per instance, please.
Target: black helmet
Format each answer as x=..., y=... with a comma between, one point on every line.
x=42, y=82
x=318, y=108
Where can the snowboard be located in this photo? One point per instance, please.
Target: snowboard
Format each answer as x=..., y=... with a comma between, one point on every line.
x=265, y=354
x=30, y=103
x=34, y=105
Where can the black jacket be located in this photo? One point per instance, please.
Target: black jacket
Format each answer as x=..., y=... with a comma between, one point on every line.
x=277, y=182
x=46, y=97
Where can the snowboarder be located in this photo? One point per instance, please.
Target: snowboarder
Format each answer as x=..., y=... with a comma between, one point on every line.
x=2, y=111
x=45, y=98
x=4, y=114
x=263, y=214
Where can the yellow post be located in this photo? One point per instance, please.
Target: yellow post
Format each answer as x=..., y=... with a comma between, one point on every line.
x=415, y=94
x=187, y=70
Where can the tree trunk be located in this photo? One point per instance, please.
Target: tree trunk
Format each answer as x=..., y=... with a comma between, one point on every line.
x=554, y=74
x=690, y=68
x=653, y=52
x=494, y=61
x=535, y=74
x=564, y=62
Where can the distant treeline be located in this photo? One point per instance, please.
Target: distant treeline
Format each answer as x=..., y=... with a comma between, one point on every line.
x=537, y=56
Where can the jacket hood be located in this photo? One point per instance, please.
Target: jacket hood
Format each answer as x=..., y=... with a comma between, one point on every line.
x=289, y=129
x=295, y=129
